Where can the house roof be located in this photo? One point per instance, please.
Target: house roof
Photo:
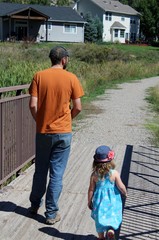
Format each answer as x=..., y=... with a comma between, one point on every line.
x=118, y=25
x=58, y=14
x=115, y=6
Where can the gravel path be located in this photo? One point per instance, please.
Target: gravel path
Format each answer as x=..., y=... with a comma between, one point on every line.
x=118, y=116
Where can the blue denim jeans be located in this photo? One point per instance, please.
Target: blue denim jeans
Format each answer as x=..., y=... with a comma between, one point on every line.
x=52, y=153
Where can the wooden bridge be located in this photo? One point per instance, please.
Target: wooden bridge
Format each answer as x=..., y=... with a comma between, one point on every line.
x=139, y=168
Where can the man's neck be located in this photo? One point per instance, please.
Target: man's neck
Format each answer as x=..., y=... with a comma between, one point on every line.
x=57, y=66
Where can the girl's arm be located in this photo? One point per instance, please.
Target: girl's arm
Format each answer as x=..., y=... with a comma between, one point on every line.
x=120, y=184
x=91, y=191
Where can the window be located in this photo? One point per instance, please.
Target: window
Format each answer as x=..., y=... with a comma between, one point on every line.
x=127, y=36
x=133, y=37
x=132, y=21
x=116, y=33
x=122, y=19
x=108, y=16
x=122, y=33
x=70, y=28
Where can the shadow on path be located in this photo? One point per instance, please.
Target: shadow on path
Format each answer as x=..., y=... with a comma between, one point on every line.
x=12, y=207
x=66, y=236
x=140, y=173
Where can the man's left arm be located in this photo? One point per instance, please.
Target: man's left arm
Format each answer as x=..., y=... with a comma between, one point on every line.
x=33, y=103
x=77, y=107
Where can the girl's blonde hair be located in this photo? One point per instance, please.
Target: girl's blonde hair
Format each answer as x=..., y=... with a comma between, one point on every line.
x=103, y=168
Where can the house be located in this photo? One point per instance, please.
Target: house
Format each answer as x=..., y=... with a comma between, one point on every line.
x=121, y=23
x=41, y=23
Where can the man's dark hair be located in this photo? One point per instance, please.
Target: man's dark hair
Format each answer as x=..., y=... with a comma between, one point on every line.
x=57, y=53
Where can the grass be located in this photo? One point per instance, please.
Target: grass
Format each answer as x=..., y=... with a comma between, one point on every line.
x=97, y=66
x=153, y=126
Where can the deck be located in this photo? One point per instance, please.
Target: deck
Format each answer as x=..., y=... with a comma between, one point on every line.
x=139, y=168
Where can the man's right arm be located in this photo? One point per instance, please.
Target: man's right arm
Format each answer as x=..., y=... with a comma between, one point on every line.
x=33, y=103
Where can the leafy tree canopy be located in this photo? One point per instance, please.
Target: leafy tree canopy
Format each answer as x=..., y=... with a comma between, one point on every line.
x=149, y=11
x=42, y=2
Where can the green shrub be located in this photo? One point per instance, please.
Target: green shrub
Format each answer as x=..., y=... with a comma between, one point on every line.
x=92, y=53
x=155, y=43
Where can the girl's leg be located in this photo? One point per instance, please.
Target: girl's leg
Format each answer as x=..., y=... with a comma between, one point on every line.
x=111, y=234
x=100, y=230
x=101, y=236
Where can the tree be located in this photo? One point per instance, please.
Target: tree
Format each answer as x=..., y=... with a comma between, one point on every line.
x=149, y=11
x=93, y=28
x=99, y=25
x=42, y=2
x=63, y=3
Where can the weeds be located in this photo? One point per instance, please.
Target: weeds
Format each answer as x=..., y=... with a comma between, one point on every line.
x=153, y=99
x=97, y=66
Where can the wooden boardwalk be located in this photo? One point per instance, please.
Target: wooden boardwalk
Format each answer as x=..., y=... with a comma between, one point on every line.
x=139, y=167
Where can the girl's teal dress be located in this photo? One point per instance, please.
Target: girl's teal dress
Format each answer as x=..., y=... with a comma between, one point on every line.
x=107, y=205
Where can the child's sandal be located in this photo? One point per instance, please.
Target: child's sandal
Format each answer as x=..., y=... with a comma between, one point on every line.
x=111, y=234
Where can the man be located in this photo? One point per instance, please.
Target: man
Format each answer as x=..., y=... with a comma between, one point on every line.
x=52, y=92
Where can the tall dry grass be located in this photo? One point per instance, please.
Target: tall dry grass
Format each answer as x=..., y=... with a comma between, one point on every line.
x=97, y=66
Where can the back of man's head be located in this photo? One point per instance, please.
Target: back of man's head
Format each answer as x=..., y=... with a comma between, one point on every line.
x=57, y=53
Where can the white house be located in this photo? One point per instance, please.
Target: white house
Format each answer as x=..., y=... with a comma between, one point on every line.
x=121, y=22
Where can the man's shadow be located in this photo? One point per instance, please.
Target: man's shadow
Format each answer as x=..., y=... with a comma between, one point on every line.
x=12, y=207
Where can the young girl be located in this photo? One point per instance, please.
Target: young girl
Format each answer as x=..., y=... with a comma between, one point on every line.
x=104, y=197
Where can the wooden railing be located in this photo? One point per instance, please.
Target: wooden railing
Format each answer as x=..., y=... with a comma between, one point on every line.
x=17, y=131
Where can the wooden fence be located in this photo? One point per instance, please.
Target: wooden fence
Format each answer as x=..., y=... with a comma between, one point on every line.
x=17, y=131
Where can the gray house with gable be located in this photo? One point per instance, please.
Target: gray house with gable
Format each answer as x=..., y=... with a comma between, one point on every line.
x=120, y=22
x=40, y=23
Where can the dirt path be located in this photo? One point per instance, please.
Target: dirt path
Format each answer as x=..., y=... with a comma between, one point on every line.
x=118, y=116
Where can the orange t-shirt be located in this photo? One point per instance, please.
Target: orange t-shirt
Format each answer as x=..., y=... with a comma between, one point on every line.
x=54, y=88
